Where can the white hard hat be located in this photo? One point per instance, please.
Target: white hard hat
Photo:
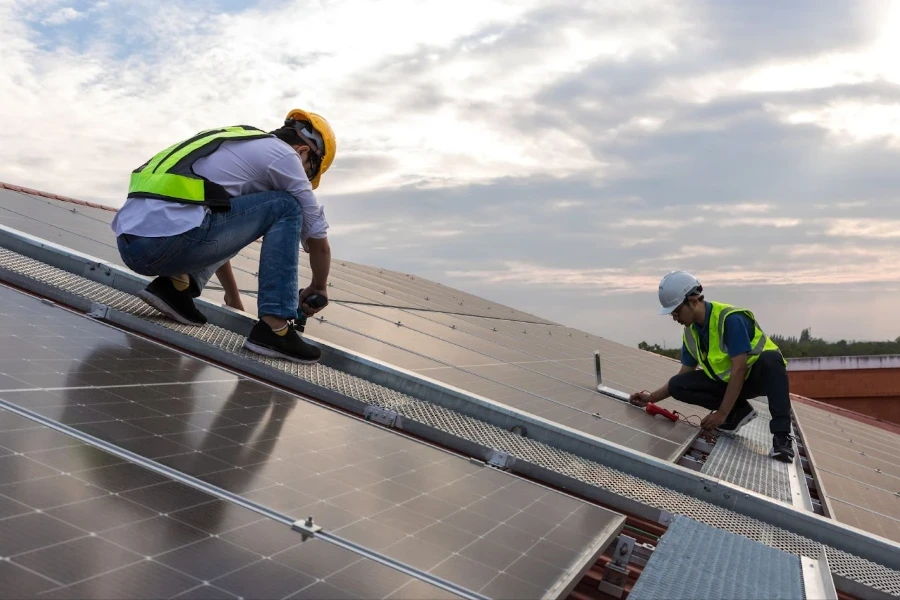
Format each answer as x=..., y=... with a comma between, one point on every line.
x=674, y=288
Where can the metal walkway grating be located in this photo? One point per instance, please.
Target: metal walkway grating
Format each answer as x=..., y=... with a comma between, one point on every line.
x=746, y=570
x=843, y=564
x=744, y=460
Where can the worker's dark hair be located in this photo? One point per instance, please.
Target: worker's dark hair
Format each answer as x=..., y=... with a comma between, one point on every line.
x=697, y=293
x=288, y=135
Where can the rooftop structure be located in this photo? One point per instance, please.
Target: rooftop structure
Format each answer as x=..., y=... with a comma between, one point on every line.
x=869, y=385
x=445, y=446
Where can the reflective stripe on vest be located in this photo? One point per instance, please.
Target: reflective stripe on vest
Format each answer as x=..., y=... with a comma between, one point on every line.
x=715, y=362
x=169, y=174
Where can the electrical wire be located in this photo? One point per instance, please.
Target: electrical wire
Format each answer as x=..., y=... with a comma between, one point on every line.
x=687, y=419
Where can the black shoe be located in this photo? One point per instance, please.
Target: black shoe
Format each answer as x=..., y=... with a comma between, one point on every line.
x=178, y=306
x=782, y=447
x=262, y=340
x=739, y=416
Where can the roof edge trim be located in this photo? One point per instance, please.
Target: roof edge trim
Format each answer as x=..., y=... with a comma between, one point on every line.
x=33, y=192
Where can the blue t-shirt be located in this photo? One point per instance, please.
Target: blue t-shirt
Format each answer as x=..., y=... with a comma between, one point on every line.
x=738, y=330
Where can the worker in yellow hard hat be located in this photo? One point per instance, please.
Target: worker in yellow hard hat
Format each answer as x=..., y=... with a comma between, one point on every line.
x=196, y=204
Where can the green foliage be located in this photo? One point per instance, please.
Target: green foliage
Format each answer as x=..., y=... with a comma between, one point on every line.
x=806, y=346
x=657, y=349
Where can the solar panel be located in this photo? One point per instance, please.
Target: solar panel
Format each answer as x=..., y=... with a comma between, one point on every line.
x=526, y=386
x=858, y=468
x=82, y=524
x=473, y=525
x=211, y=442
x=510, y=384
x=445, y=295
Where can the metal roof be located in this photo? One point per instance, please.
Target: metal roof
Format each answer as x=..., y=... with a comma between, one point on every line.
x=859, y=466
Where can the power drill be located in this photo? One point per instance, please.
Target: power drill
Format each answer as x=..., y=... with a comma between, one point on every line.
x=313, y=301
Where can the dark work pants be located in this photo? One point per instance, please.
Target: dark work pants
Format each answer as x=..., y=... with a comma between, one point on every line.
x=768, y=377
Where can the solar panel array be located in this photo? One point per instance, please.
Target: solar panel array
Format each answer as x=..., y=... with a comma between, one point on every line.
x=859, y=466
x=437, y=332
x=472, y=525
x=409, y=501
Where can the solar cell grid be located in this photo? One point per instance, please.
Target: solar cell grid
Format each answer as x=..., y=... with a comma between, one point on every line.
x=368, y=485
x=72, y=529
x=401, y=346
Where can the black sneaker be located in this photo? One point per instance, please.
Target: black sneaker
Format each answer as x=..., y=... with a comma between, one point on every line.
x=739, y=416
x=782, y=447
x=178, y=306
x=292, y=347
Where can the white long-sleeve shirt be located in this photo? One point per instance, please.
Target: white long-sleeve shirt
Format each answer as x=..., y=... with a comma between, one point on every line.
x=241, y=167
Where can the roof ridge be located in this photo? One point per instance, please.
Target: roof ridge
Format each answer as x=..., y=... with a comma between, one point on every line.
x=33, y=192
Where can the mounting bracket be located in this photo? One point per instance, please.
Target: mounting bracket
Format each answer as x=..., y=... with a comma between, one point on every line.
x=383, y=416
x=616, y=574
x=306, y=528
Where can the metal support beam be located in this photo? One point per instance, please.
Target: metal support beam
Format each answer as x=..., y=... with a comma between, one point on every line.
x=817, y=581
x=823, y=496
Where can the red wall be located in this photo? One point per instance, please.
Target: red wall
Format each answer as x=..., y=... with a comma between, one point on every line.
x=872, y=392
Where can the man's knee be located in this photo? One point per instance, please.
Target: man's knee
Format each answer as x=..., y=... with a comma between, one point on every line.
x=771, y=359
x=288, y=205
x=677, y=386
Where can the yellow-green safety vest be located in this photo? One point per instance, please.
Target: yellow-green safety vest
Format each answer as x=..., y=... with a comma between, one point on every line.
x=716, y=363
x=170, y=176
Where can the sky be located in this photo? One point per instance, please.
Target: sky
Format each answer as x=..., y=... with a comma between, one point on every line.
x=555, y=156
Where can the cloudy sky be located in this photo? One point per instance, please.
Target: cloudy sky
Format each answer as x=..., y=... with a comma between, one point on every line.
x=556, y=156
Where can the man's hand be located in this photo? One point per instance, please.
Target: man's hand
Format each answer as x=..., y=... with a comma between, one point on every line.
x=234, y=300
x=713, y=420
x=306, y=293
x=641, y=399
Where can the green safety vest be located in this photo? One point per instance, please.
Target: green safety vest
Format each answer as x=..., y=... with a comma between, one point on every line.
x=170, y=176
x=715, y=362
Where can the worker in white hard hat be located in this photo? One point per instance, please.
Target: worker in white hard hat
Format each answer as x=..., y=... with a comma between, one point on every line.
x=194, y=205
x=736, y=361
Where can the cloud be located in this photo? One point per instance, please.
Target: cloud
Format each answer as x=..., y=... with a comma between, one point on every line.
x=343, y=228
x=443, y=233
x=848, y=121
x=567, y=204
x=652, y=224
x=62, y=16
x=579, y=149
x=877, y=268
x=760, y=222
x=738, y=209
x=864, y=228
x=690, y=252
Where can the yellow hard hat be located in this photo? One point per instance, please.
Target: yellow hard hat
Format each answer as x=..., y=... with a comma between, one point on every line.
x=321, y=127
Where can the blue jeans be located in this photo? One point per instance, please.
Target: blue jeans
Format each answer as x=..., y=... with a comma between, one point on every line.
x=199, y=252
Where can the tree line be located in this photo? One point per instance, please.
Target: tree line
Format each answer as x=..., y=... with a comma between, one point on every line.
x=805, y=346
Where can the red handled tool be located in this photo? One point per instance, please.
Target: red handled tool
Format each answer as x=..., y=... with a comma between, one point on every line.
x=655, y=410
x=651, y=408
